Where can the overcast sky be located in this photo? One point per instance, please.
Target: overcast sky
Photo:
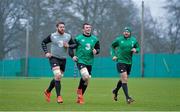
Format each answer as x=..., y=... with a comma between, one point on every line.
x=155, y=6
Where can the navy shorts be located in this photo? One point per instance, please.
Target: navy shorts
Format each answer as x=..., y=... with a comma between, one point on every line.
x=58, y=62
x=80, y=66
x=122, y=67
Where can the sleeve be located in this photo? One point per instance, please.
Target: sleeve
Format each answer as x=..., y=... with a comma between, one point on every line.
x=71, y=52
x=44, y=42
x=97, y=47
x=113, y=47
x=72, y=44
x=137, y=46
x=71, y=49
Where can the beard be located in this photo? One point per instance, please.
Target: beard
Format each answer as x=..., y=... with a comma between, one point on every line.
x=88, y=32
x=126, y=35
x=61, y=31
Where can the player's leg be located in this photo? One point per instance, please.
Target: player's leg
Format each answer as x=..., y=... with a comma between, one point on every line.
x=119, y=83
x=124, y=77
x=89, y=69
x=84, y=70
x=115, y=90
x=80, y=98
x=56, y=68
x=47, y=92
x=51, y=86
x=84, y=80
x=62, y=63
x=57, y=76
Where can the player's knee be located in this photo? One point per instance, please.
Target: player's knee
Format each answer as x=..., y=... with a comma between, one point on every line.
x=124, y=77
x=85, y=77
x=85, y=74
x=57, y=73
x=86, y=82
x=124, y=80
x=56, y=70
x=57, y=77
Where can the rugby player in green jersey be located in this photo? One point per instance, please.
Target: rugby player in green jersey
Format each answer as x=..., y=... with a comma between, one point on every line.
x=122, y=49
x=87, y=45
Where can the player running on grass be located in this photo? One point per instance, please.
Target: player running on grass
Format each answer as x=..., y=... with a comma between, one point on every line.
x=87, y=45
x=122, y=50
x=60, y=42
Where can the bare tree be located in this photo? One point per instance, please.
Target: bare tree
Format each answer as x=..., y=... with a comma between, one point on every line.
x=173, y=9
x=42, y=16
x=34, y=15
x=108, y=18
x=10, y=11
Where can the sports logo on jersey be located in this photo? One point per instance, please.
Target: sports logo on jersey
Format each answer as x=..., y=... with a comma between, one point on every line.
x=60, y=43
x=132, y=43
x=55, y=37
x=88, y=46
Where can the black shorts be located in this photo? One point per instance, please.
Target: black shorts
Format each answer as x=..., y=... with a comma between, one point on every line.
x=58, y=62
x=80, y=66
x=122, y=67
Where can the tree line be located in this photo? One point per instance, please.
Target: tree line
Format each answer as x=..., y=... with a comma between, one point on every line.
x=108, y=18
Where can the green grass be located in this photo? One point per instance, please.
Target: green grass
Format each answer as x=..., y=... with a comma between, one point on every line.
x=151, y=94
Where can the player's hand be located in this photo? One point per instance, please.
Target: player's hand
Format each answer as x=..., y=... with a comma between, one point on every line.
x=48, y=55
x=94, y=51
x=114, y=58
x=133, y=50
x=75, y=58
x=65, y=44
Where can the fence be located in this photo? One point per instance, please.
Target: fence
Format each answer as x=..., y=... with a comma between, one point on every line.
x=155, y=65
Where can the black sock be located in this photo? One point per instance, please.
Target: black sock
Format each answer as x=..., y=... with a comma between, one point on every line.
x=82, y=85
x=58, y=87
x=118, y=86
x=84, y=88
x=51, y=85
x=125, y=89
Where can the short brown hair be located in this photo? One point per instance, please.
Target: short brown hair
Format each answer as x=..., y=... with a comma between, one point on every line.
x=60, y=23
x=85, y=24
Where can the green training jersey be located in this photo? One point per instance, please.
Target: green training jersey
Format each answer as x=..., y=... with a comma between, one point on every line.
x=85, y=48
x=121, y=48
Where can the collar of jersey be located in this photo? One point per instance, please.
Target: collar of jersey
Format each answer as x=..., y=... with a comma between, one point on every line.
x=87, y=35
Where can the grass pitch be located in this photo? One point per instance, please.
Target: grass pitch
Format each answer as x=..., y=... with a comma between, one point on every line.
x=150, y=94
